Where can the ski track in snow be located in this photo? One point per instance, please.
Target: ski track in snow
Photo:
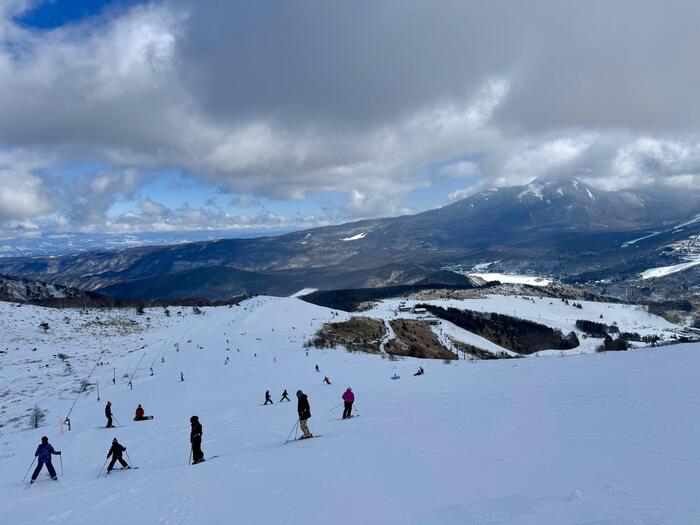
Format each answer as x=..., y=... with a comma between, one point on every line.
x=589, y=439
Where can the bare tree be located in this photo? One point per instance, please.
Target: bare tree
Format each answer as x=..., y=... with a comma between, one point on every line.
x=36, y=416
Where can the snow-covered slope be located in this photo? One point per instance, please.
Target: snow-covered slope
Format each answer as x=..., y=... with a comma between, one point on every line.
x=597, y=438
x=512, y=278
x=663, y=271
x=551, y=312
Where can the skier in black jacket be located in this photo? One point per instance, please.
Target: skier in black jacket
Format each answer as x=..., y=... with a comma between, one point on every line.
x=116, y=452
x=196, y=440
x=304, y=411
x=108, y=414
x=43, y=454
x=268, y=399
x=285, y=396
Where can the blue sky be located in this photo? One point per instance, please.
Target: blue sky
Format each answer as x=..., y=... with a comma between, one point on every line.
x=179, y=115
x=56, y=13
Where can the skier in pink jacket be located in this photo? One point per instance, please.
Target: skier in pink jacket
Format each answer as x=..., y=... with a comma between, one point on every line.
x=349, y=399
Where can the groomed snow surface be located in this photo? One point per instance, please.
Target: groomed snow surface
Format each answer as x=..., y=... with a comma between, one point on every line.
x=585, y=439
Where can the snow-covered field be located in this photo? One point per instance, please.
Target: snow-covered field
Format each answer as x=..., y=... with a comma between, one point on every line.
x=586, y=439
x=663, y=271
x=512, y=278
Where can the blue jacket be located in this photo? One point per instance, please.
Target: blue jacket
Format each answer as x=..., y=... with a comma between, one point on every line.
x=43, y=452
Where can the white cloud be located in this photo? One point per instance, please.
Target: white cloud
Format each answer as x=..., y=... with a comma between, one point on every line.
x=462, y=169
x=22, y=192
x=174, y=84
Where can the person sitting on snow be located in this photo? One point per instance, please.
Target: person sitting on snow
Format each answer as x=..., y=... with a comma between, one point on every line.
x=140, y=414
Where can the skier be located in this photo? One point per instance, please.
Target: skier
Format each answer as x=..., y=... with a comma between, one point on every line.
x=285, y=396
x=196, y=440
x=182, y=376
x=349, y=399
x=43, y=455
x=317, y=369
x=326, y=380
x=108, y=414
x=116, y=451
x=304, y=411
x=420, y=371
x=268, y=399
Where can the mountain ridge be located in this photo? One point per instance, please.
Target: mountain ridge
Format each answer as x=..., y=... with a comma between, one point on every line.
x=563, y=226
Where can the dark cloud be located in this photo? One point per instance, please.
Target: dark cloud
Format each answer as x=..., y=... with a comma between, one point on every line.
x=283, y=99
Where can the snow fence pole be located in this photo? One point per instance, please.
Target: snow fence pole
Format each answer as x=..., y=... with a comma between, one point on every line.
x=30, y=468
x=290, y=433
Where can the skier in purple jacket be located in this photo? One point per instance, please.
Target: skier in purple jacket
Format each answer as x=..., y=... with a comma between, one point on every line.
x=349, y=399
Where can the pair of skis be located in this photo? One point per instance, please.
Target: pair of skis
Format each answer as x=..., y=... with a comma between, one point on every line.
x=302, y=438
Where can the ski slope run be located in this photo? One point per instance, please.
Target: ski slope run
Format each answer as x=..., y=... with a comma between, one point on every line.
x=586, y=439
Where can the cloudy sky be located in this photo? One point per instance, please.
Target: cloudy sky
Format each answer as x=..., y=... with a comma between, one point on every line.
x=137, y=116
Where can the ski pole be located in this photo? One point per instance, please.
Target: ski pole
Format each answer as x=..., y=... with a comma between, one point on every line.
x=30, y=468
x=336, y=406
x=102, y=467
x=290, y=433
x=127, y=457
x=115, y=419
x=60, y=456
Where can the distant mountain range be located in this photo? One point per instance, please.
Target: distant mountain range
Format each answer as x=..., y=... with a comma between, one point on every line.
x=563, y=228
x=66, y=243
x=18, y=289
